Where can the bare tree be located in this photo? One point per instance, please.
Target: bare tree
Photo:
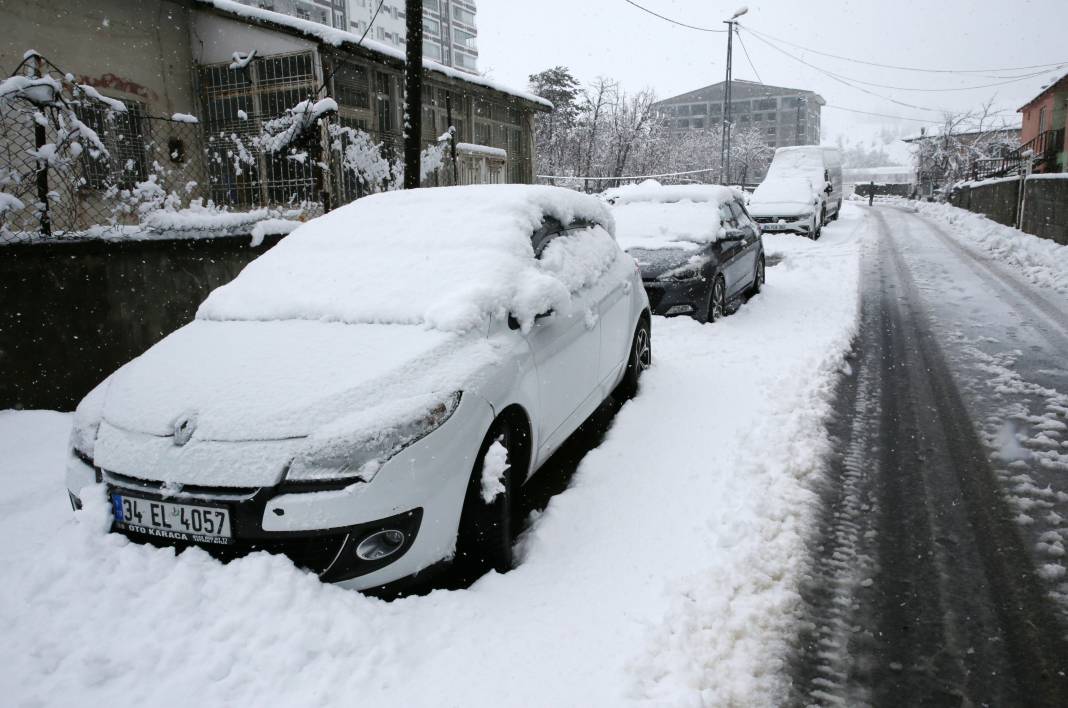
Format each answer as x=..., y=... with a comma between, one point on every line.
x=751, y=153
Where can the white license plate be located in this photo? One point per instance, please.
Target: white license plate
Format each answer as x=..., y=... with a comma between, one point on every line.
x=773, y=227
x=166, y=520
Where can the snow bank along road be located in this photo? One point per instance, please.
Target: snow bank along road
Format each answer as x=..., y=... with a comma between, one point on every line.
x=667, y=570
x=939, y=575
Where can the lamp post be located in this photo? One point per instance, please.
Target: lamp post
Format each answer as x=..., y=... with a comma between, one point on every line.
x=725, y=145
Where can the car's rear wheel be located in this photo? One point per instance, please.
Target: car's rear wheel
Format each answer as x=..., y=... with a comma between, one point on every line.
x=641, y=358
x=758, y=278
x=487, y=529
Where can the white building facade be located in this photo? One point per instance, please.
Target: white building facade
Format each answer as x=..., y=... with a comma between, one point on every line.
x=450, y=36
x=449, y=31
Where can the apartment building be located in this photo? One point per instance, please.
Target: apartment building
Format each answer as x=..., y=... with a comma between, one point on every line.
x=785, y=116
x=449, y=33
x=332, y=13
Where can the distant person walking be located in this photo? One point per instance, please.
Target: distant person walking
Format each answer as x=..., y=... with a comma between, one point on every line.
x=871, y=193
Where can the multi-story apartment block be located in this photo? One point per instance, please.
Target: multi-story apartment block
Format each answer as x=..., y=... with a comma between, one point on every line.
x=785, y=116
x=332, y=13
x=449, y=33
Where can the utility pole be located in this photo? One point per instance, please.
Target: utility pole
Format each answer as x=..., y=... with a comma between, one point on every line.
x=413, y=92
x=725, y=146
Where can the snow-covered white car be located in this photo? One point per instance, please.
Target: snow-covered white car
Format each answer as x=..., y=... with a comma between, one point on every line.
x=787, y=204
x=699, y=251
x=368, y=396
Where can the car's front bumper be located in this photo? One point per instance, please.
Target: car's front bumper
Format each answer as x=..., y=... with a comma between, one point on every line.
x=785, y=224
x=677, y=297
x=419, y=492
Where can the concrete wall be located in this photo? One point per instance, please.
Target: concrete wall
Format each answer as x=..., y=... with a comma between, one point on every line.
x=996, y=200
x=75, y=312
x=1045, y=204
x=131, y=49
x=1046, y=208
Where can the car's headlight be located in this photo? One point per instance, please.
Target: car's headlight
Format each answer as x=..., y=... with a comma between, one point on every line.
x=687, y=272
x=337, y=455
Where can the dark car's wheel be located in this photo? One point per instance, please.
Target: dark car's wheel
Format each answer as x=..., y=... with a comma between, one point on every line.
x=641, y=358
x=487, y=529
x=717, y=300
x=758, y=278
x=818, y=231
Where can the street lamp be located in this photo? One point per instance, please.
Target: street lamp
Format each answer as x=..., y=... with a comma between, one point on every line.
x=725, y=145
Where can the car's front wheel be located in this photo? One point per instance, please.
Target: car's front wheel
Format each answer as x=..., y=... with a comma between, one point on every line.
x=641, y=358
x=717, y=300
x=487, y=523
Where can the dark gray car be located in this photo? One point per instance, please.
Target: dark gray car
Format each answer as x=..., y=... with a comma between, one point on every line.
x=712, y=280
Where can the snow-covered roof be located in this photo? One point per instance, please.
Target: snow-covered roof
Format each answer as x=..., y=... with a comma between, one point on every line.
x=446, y=257
x=338, y=38
x=652, y=217
x=1051, y=83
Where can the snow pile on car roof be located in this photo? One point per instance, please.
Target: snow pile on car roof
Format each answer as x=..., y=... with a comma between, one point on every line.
x=651, y=216
x=447, y=257
x=652, y=191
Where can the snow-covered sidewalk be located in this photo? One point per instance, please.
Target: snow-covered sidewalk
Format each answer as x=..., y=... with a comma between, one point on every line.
x=1041, y=261
x=667, y=571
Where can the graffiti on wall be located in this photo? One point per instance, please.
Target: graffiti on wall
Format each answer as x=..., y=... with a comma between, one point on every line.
x=118, y=83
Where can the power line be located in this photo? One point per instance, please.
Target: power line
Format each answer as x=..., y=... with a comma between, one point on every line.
x=751, y=66
x=841, y=80
x=1053, y=65
x=1011, y=80
x=668, y=19
x=880, y=115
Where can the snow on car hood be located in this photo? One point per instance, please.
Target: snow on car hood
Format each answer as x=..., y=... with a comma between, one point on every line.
x=783, y=197
x=240, y=381
x=449, y=258
x=656, y=261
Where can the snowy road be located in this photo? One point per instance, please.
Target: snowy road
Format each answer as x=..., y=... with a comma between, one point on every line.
x=667, y=571
x=939, y=574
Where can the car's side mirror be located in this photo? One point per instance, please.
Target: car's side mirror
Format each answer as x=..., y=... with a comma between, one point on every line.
x=829, y=189
x=734, y=235
x=513, y=323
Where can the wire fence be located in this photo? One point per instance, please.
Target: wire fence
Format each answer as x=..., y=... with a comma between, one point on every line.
x=74, y=164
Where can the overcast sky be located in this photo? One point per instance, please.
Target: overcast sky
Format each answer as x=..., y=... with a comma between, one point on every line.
x=612, y=38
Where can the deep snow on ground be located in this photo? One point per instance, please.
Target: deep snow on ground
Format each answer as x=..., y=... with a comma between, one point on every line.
x=666, y=571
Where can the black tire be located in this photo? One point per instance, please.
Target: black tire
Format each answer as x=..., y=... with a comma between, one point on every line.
x=717, y=300
x=641, y=358
x=838, y=211
x=758, y=278
x=487, y=530
x=819, y=226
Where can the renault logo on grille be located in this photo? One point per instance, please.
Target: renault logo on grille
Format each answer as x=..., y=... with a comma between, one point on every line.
x=183, y=429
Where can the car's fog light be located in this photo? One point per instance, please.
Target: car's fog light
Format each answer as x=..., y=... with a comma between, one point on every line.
x=379, y=545
x=680, y=309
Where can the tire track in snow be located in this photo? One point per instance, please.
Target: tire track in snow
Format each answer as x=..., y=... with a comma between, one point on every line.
x=953, y=613
x=1028, y=435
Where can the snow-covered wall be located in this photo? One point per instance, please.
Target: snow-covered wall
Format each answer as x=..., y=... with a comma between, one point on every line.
x=216, y=38
x=1044, y=203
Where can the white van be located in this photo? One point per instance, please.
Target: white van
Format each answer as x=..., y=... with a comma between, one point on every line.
x=781, y=203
